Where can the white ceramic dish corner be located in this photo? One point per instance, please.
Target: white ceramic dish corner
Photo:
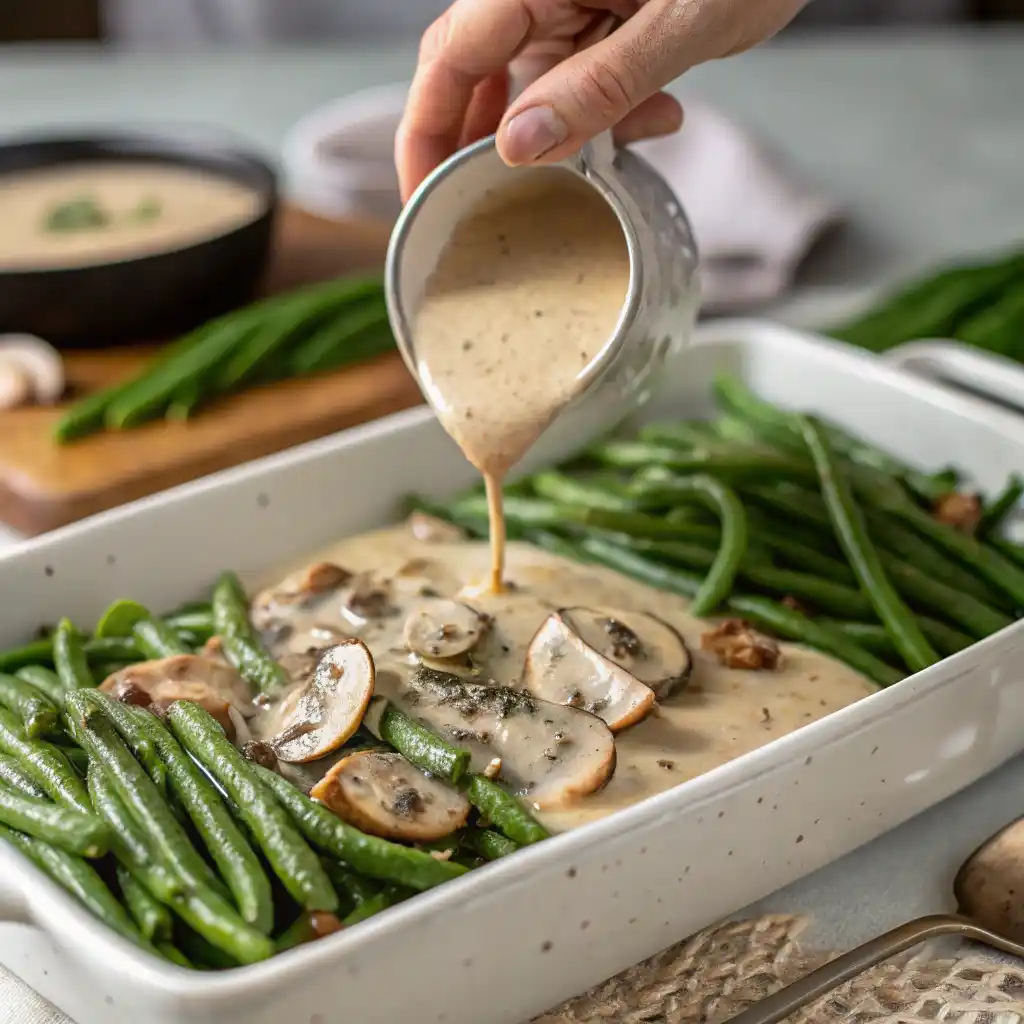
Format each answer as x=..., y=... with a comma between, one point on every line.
x=518, y=936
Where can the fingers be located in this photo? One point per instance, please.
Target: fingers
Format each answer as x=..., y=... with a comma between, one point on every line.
x=660, y=114
x=595, y=89
x=471, y=41
x=490, y=98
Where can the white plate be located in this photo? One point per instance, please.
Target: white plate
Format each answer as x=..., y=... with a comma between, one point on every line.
x=518, y=936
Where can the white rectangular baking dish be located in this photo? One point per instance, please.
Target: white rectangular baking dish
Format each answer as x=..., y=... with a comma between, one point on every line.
x=518, y=936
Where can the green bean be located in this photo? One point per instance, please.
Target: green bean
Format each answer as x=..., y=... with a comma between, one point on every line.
x=732, y=547
x=69, y=830
x=727, y=464
x=97, y=734
x=505, y=812
x=119, y=619
x=851, y=531
x=422, y=747
x=824, y=595
x=634, y=524
x=1001, y=507
x=352, y=888
x=175, y=955
x=37, y=712
x=309, y=926
x=45, y=680
x=149, y=394
x=919, y=587
x=198, y=623
x=295, y=318
x=76, y=877
x=13, y=773
x=157, y=640
x=489, y=844
x=358, y=333
x=238, y=864
x=367, y=855
x=778, y=428
x=683, y=433
x=387, y=897
x=255, y=664
x=792, y=625
x=199, y=906
x=1009, y=549
x=945, y=639
x=933, y=306
x=568, y=490
x=1000, y=571
x=613, y=556
x=125, y=719
x=69, y=657
x=45, y=763
x=77, y=757
x=34, y=653
x=203, y=955
x=893, y=536
x=294, y=863
x=242, y=644
x=149, y=914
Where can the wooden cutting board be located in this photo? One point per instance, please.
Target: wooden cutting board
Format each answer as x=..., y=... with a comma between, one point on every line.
x=44, y=485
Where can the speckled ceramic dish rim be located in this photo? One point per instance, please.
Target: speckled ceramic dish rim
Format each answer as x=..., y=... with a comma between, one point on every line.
x=520, y=935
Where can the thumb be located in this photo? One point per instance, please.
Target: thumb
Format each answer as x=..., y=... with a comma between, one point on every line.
x=598, y=86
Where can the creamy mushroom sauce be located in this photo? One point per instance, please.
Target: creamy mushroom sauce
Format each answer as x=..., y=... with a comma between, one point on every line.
x=720, y=714
x=526, y=294
x=179, y=206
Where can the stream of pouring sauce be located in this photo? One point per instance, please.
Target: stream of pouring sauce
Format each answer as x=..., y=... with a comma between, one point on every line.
x=526, y=294
x=721, y=714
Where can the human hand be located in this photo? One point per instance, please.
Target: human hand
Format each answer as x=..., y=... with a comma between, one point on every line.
x=575, y=87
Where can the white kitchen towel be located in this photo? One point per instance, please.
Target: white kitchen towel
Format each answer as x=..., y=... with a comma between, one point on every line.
x=20, y=1005
x=754, y=218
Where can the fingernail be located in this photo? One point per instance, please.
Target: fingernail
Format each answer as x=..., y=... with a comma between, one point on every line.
x=533, y=133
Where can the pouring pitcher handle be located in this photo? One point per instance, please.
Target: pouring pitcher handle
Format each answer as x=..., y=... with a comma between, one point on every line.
x=781, y=1004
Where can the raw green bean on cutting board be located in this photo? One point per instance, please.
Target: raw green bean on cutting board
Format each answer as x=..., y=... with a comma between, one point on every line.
x=313, y=329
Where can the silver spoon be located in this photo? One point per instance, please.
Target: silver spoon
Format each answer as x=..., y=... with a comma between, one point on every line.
x=989, y=890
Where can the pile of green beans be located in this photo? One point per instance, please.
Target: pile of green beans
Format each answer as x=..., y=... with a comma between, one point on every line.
x=311, y=330
x=167, y=833
x=792, y=523
x=979, y=303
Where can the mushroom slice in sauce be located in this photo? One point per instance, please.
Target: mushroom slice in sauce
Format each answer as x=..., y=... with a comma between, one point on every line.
x=318, y=716
x=380, y=792
x=430, y=529
x=551, y=754
x=646, y=646
x=440, y=628
x=561, y=666
x=214, y=685
x=300, y=589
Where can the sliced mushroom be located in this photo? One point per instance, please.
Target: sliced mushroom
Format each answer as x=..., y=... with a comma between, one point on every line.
x=561, y=667
x=738, y=645
x=646, y=646
x=368, y=598
x=440, y=628
x=30, y=370
x=380, y=792
x=551, y=754
x=432, y=530
x=213, y=685
x=318, y=716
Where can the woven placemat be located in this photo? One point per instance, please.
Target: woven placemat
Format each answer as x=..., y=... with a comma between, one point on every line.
x=716, y=974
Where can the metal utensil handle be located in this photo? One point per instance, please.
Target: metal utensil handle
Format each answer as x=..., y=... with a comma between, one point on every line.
x=781, y=1004
x=983, y=375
